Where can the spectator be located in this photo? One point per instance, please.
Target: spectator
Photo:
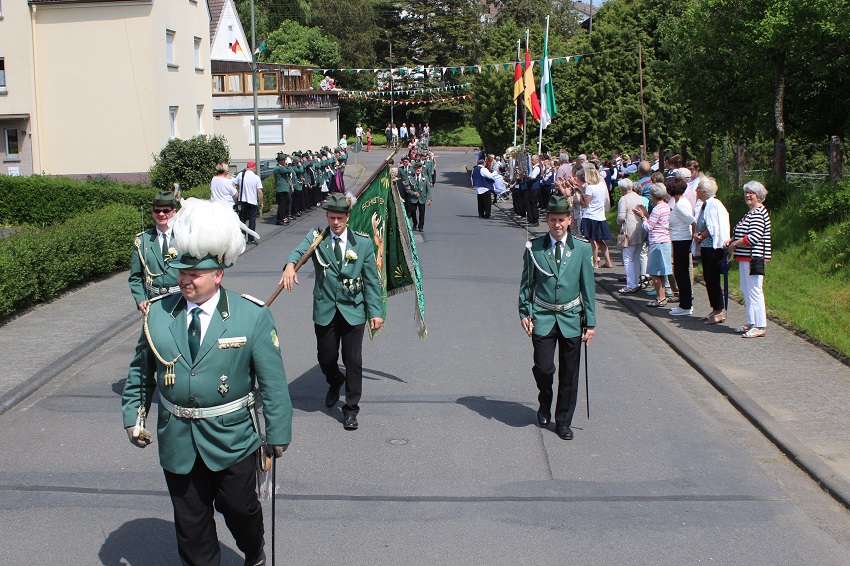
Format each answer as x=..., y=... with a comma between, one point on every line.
x=750, y=246
x=221, y=186
x=402, y=133
x=564, y=169
x=644, y=172
x=368, y=140
x=594, y=227
x=657, y=227
x=547, y=178
x=633, y=229
x=250, y=197
x=394, y=132
x=681, y=233
x=693, y=181
x=712, y=235
x=358, y=132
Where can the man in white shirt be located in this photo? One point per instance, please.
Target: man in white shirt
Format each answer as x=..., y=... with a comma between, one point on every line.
x=359, y=133
x=343, y=143
x=250, y=188
x=482, y=182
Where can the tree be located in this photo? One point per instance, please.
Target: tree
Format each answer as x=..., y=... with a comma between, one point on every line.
x=188, y=162
x=295, y=44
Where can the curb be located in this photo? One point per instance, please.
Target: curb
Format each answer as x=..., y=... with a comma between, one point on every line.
x=37, y=380
x=805, y=458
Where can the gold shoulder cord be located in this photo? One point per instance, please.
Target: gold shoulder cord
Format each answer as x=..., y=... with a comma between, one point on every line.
x=150, y=276
x=168, y=378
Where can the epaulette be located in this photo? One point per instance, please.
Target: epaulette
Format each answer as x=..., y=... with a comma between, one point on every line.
x=254, y=300
x=364, y=234
x=159, y=298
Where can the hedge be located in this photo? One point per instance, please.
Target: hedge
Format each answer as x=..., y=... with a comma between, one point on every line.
x=37, y=265
x=43, y=201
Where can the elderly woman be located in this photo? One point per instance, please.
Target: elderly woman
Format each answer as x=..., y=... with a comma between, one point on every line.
x=594, y=227
x=633, y=229
x=750, y=246
x=681, y=233
x=222, y=188
x=712, y=234
x=657, y=227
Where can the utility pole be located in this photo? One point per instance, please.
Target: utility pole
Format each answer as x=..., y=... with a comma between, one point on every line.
x=256, y=84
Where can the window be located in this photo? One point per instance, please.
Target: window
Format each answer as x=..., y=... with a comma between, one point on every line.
x=172, y=118
x=271, y=131
x=228, y=84
x=198, y=54
x=2, y=75
x=218, y=83
x=268, y=82
x=12, y=151
x=200, y=109
x=234, y=83
x=169, y=48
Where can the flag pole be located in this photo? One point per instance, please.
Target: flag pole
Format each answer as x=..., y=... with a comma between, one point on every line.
x=255, y=84
x=516, y=102
x=545, y=64
x=524, y=109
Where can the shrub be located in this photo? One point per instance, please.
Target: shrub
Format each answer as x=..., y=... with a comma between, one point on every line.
x=188, y=162
x=827, y=204
x=38, y=265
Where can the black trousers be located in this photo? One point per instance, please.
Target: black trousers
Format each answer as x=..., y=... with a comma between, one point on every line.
x=712, y=272
x=248, y=215
x=569, y=358
x=328, y=341
x=284, y=204
x=297, y=202
x=531, y=205
x=682, y=272
x=417, y=211
x=232, y=492
x=518, y=196
x=485, y=202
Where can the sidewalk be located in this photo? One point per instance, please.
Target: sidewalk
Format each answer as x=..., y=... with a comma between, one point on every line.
x=794, y=392
x=49, y=338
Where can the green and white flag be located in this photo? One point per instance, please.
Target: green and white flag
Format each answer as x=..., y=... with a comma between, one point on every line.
x=548, y=108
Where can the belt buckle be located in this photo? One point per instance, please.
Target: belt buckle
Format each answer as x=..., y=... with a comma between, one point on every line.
x=187, y=413
x=163, y=290
x=559, y=308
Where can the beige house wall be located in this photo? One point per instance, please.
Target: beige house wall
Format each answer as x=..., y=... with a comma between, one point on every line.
x=18, y=100
x=104, y=87
x=301, y=131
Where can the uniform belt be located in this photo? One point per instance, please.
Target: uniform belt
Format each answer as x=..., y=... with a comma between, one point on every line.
x=557, y=308
x=162, y=290
x=207, y=412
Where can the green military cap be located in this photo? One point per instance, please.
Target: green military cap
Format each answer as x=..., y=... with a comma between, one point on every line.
x=417, y=163
x=337, y=202
x=187, y=261
x=560, y=205
x=281, y=156
x=164, y=198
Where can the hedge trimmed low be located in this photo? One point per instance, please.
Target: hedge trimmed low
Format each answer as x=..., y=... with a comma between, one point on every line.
x=37, y=265
x=43, y=201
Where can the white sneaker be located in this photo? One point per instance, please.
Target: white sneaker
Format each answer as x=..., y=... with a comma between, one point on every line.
x=679, y=311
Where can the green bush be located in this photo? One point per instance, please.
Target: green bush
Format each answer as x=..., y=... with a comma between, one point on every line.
x=188, y=162
x=827, y=204
x=38, y=265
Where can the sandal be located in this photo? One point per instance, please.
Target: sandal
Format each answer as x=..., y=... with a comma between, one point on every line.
x=716, y=319
x=754, y=332
x=657, y=303
x=628, y=290
x=742, y=329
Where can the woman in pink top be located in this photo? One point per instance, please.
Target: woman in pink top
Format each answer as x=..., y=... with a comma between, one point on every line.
x=657, y=227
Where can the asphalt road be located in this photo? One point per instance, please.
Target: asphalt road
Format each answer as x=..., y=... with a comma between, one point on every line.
x=447, y=467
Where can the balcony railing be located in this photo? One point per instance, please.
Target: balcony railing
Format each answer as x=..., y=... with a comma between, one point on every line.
x=308, y=99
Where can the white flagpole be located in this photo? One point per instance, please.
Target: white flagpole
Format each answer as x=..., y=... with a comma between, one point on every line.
x=516, y=106
x=525, y=109
x=542, y=94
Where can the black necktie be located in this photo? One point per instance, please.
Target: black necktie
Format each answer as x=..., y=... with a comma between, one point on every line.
x=337, y=251
x=195, y=332
x=558, y=252
x=164, y=246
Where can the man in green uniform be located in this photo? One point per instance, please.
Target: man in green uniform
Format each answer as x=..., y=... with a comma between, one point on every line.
x=283, y=173
x=347, y=292
x=556, y=290
x=418, y=196
x=153, y=251
x=205, y=349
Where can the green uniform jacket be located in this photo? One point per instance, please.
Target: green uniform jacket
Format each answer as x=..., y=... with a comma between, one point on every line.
x=541, y=278
x=283, y=178
x=298, y=170
x=404, y=174
x=422, y=186
x=355, y=290
x=148, y=244
x=228, y=439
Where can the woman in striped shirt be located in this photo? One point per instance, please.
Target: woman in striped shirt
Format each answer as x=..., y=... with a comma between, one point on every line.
x=750, y=244
x=657, y=227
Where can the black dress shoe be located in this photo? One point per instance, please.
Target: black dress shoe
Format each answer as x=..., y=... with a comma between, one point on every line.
x=332, y=396
x=543, y=419
x=564, y=431
x=350, y=422
x=258, y=561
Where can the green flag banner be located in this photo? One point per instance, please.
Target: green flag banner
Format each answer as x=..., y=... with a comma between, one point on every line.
x=379, y=214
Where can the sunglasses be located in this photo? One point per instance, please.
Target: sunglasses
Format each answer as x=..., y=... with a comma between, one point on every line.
x=163, y=210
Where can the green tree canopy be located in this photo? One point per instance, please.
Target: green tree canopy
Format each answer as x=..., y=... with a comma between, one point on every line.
x=295, y=44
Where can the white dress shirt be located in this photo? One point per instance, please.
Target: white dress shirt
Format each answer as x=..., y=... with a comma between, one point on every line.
x=207, y=310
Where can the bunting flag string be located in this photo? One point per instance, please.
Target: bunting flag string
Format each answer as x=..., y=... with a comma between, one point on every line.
x=412, y=72
x=407, y=102
x=405, y=92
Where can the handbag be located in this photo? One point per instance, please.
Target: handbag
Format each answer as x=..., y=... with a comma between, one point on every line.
x=622, y=240
x=756, y=265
